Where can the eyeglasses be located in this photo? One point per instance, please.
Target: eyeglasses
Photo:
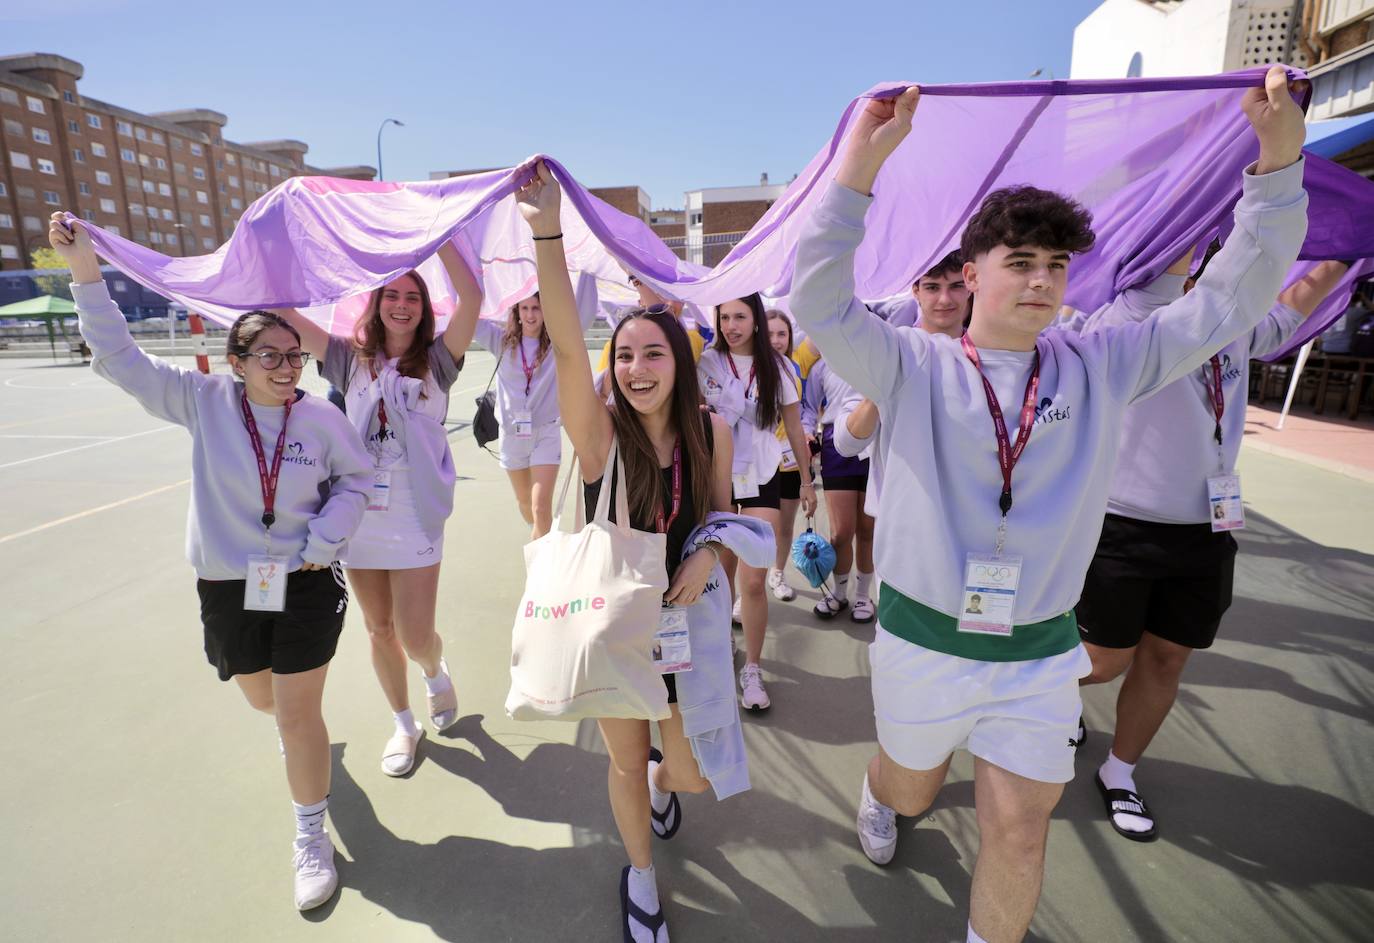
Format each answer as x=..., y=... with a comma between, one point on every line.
x=657, y=309
x=271, y=359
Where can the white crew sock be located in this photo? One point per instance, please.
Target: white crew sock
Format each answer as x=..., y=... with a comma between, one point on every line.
x=440, y=682
x=1118, y=774
x=841, y=587
x=659, y=800
x=310, y=818
x=862, y=584
x=405, y=723
x=644, y=893
x=973, y=936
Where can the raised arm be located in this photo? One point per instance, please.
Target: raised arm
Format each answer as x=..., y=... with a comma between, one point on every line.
x=1296, y=304
x=859, y=346
x=585, y=416
x=314, y=339
x=458, y=335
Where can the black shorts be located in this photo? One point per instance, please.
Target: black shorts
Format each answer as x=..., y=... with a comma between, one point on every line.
x=239, y=641
x=789, y=485
x=769, y=495
x=1171, y=580
x=670, y=682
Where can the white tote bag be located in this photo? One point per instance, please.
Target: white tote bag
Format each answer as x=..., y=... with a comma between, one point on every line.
x=583, y=636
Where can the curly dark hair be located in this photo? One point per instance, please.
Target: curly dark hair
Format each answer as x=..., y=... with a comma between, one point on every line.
x=951, y=264
x=1027, y=216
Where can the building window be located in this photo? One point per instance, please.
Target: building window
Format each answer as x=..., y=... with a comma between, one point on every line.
x=46, y=166
x=196, y=149
x=165, y=189
x=167, y=214
x=6, y=221
x=131, y=183
x=69, y=98
x=275, y=170
x=4, y=191
x=140, y=134
x=219, y=164
x=98, y=149
x=171, y=238
x=52, y=198
x=41, y=136
x=136, y=209
x=149, y=187
x=9, y=252
x=36, y=106
x=14, y=127
x=103, y=178
x=127, y=154
x=73, y=127
x=123, y=127
x=202, y=196
x=112, y=228
x=78, y=155
x=88, y=215
x=230, y=159
x=161, y=164
x=20, y=160
x=185, y=219
x=205, y=219
x=155, y=238
x=152, y=212
x=9, y=96
x=157, y=138
x=222, y=189
x=184, y=193
x=107, y=206
x=144, y=160
x=176, y=144
x=236, y=203
x=198, y=173
x=33, y=224
x=233, y=181
x=179, y=167
x=84, y=188
x=94, y=121
x=207, y=242
x=26, y=193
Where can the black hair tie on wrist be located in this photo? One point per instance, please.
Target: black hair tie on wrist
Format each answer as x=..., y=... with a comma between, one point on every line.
x=545, y=238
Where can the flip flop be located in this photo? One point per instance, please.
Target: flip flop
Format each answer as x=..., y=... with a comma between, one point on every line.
x=1125, y=802
x=629, y=910
x=658, y=821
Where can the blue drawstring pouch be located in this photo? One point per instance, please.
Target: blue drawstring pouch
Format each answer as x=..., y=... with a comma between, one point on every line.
x=813, y=556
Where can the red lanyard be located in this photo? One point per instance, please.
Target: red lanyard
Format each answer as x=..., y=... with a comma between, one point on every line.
x=1007, y=453
x=677, y=489
x=267, y=479
x=730, y=358
x=1215, y=392
x=381, y=406
x=526, y=366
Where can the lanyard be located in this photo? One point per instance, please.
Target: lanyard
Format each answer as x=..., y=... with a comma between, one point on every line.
x=381, y=407
x=1007, y=453
x=526, y=366
x=1215, y=392
x=677, y=489
x=730, y=358
x=267, y=479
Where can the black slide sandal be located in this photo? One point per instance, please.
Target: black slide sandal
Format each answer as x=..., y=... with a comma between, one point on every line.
x=659, y=822
x=629, y=910
x=1131, y=804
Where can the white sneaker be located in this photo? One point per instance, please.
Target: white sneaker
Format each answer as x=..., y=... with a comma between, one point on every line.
x=316, y=876
x=877, y=827
x=781, y=591
x=752, y=697
x=735, y=613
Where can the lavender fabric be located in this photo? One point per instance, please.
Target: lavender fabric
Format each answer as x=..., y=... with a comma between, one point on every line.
x=1157, y=161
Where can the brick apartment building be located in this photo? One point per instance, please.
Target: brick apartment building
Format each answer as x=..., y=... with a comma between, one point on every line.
x=632, y=201
x=169, y=180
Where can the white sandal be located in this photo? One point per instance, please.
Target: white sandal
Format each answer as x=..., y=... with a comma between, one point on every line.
x=402, y=747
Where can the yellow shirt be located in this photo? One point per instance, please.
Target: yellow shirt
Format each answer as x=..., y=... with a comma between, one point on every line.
x=805, y=355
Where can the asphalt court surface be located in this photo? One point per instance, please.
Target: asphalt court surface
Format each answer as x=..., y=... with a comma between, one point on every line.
x=143, y=800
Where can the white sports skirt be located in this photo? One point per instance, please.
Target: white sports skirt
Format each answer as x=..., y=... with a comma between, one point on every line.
x=392, y=539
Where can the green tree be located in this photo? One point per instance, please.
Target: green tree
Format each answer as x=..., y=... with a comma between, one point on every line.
x=58, y=280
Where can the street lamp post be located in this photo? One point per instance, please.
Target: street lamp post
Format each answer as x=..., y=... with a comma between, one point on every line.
x=380, y=129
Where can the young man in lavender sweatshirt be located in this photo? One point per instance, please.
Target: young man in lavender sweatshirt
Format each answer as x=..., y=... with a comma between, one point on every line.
x=1004, y=683
x=279, y=480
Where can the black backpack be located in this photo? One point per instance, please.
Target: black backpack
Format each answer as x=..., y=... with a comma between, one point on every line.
x=485, y=426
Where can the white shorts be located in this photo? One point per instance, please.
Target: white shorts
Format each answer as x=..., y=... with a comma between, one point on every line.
x=545, y=447
x=392, y=539
x=1019, y=715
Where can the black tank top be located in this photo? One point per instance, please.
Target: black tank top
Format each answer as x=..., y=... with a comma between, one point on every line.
x=681, y=528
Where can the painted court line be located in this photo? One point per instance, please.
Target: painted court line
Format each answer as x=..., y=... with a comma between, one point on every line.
x=91, y=445
x=37, y=436
x=104, y=507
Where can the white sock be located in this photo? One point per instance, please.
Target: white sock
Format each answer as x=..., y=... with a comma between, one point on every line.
x=440, y=682
x=644, y=892
x=1118, y=774
x=310, y=818
x=973, y=936
x=862, y=585
x=405, y=723
x=659, y=800
x=841, y=582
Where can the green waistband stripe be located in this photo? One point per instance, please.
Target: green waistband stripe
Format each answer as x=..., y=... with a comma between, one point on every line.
x=921, y=625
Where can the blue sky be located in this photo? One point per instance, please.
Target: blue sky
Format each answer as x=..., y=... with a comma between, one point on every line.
x=669, y=97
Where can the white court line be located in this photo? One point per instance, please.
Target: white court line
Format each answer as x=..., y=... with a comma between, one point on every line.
x=81, y=514
x=37, y=436
x=78, y=448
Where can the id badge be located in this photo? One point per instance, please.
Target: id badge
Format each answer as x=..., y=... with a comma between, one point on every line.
x=672, y=646
x=989, y=596
x=380, y=496
x=745, y=482
x=264, y=588
x=1223, y=498
x=789, y=461
x=524, y=424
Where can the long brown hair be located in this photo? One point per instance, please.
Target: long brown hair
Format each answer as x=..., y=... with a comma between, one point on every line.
x=370, y=335
x=766, y=372
x=514, y=332
x=775, y=315
x=643, y=478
